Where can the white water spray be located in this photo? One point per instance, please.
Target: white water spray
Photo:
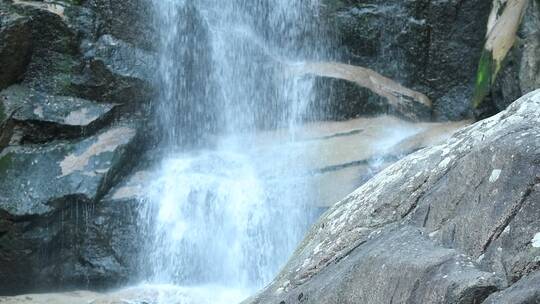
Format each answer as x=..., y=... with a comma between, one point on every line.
x=215, y=220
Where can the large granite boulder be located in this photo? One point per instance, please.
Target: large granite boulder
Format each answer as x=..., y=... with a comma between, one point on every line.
x=525, y=291
x=472, y=203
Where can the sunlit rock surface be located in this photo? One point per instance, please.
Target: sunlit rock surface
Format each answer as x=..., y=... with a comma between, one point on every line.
x=475, y=195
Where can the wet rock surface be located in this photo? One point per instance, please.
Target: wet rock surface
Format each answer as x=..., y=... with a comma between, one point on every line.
x=457, y=223
x=53, y=230
x=429, y=46
x=15, y=46
x=73, y=104
x=476, y=194
x=38, y=117
x=348, y=88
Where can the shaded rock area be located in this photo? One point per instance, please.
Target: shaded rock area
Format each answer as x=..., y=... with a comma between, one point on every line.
x=74, y=112
x=524, y=291
x=77, y=168
x=15, y=47
x=429, y=46
x=129, y=21
x=449, y=224
x=115, y=71
x=55, y=229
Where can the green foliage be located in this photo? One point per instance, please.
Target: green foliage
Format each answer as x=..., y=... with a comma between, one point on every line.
x=484, y=78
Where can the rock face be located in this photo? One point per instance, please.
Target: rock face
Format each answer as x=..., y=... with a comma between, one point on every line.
x=73, y=103
x=53, y=230
x=37, y=117
x=129, y=21
x=15, y=46
x=523, y=292
x=429, y=46
x=397, y=99
x=448, y=224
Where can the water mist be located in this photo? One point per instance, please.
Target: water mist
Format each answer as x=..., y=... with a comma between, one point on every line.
x=220, y=220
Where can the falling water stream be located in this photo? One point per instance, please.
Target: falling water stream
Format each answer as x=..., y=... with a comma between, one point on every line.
x=222, y=218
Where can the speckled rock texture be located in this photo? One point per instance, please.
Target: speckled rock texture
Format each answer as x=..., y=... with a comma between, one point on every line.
x=448, y=224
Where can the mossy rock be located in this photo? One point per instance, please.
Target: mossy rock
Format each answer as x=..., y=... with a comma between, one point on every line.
x=484, y=78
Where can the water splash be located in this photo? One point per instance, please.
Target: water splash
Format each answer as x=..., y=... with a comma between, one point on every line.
x=213, y=217
x=215, y=222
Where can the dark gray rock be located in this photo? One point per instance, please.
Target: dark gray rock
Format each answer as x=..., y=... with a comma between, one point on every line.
x=15, y=46
x=70, y=58
x=63, y=147
x=122, y=58
x=478, y=194
x=32, y=178
x=80, y=245
x=130, y=21
x=115, y=71
x=429, y=46
x=339, y=99
x=39, y=117
x=54, y=48
x=54, y=229
x=525, y=291
x=396, y=266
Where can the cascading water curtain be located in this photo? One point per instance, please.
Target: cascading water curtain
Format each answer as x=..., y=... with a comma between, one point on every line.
x=214, y=217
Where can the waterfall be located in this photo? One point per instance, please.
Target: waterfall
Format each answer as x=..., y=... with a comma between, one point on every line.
x=220, y=214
